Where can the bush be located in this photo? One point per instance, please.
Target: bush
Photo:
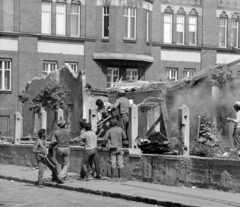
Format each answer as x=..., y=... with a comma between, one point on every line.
x=201, y=150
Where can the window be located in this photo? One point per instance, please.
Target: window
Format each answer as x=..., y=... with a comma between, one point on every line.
x=112, y=76
x=234, y=31
x=130, y=23
x=167, y=28
x=192, y=30
x=180, y=28
x=5, y=125
x=74, y=66
x=147, y=27
x=188, y=73
x=61, y=19
x=5, y=75
x=49, y=67
x=46, y=18
x=132, y=74
x=172, y=74
x=75, y=20
x=223, y=30
x=105, y=24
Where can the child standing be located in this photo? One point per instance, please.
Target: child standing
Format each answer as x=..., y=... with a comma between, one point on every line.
x=43, y=158
x=114, y=136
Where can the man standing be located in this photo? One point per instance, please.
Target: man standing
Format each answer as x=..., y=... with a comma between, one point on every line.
x=91, y=153
x=123, y=104
x=44, y=158
x=61, y=138
x=114, y=136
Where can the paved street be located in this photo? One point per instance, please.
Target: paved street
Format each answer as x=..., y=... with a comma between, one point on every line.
x=15, y=194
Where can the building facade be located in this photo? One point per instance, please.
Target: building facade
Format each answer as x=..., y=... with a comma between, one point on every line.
x=111, y=40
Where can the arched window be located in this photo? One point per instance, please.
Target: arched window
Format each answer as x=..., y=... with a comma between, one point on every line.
x=180, y=26
x=234, y=30
x=75, y=18
x=46, y=17
x=223, y=30
x=193, y=16
x=168, y=16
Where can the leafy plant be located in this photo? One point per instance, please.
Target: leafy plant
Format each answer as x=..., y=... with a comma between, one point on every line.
x=201, y=150
x=51, y=96
x=208, y=134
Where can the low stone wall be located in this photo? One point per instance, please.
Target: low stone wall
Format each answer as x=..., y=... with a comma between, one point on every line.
x=216, y=173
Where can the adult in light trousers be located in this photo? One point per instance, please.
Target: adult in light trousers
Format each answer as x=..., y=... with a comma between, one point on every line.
x=236, y=121
x=61, y=138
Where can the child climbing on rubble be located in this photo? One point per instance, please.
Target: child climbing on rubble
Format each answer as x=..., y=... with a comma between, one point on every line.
x=114, y=137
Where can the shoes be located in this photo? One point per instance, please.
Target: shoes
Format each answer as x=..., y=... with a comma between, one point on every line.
x=60, y=181
x=98, y=177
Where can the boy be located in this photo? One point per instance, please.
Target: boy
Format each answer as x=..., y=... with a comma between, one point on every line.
x=91, y=153
x=43, y=158
x=114, y=136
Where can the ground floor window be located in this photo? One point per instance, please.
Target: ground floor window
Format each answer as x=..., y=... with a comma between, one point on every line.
x=5, y=75
x=4, y=125
x=172, y=74
x=49, y=67
x=188, y=73
x=112, y=76
x=132, y=74
x=74, y=66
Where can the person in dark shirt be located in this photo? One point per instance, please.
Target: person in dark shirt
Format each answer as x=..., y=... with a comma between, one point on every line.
x=44, y=158
x=114, y=137
x=61, y=138
x=123, y=104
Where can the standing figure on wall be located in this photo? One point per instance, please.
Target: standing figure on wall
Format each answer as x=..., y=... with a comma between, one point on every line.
x=123, y=104
x=61, y=138
x=236, y=121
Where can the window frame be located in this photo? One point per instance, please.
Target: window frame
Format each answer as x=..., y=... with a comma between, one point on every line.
x=6, y=124
x=71, y=64
x=196, y=26
x=103, y=21
x=112, y=76
x=189, y=70
x=183, y=26
x=147, y=25
x=79, y=19
x=131, y=77
x=169, y=74
x=3, y=70
x=224, y=17
x=171, y=27
x=237, y=36
x=128, y=16
x=65, y=19
x=50, y=15
x=49, y=68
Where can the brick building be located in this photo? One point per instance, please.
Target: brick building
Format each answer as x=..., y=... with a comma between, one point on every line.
x=111, y=39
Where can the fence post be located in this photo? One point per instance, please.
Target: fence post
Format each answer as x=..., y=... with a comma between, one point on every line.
x=18, y=120
x=43, y=122
x=133, y=148
x=184, y=129
x=93, y=118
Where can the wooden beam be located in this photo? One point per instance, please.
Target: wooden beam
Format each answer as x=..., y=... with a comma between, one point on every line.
x=233, y=63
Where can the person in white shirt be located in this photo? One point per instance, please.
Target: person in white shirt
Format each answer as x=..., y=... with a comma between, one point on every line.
x=236, y=121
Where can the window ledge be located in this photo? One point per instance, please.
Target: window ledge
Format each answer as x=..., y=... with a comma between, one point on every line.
x=129, y=40
x=5, y=92
x=104, y=39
